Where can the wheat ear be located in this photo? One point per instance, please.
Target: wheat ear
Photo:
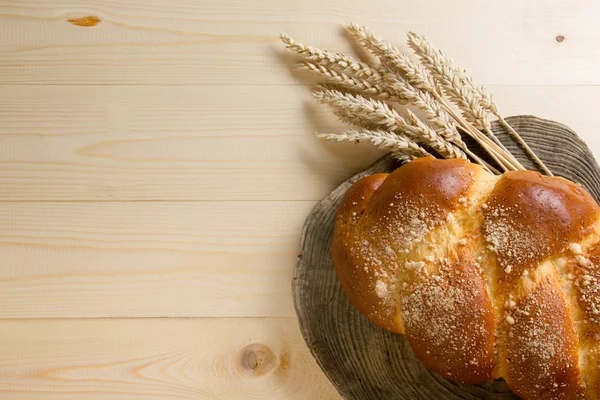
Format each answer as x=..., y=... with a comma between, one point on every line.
x=370, y=86
x=384, y=86
x=476, y=117
x=445, y=127
x=475, y=102
x=373, y=114
x=393, y=59
x=404, y=158
x=336, y=61
x=401, y=67
x=382, y=139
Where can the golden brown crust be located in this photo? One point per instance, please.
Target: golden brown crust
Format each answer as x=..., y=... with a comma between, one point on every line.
x=367, y=249
x=592, y=373
x=457, y=339
x=542, y=347
x=407, y=248
x=531, y=217
x=433, y=186
x=358, y=283
x=585, y=280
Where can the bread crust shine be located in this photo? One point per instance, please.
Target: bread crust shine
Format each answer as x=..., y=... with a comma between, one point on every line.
x=486, y=276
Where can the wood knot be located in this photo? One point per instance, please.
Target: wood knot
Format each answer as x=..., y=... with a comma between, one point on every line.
x=88, y=21
x=560, y=38
x=256, y=360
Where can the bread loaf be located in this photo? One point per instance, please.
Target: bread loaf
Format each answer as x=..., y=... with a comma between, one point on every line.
x=487, y=276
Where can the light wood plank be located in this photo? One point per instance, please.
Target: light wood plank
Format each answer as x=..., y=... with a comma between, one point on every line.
x=148, y=259
x=158, y=359
x=203, y=143
x=234, y=41
x=169, y=143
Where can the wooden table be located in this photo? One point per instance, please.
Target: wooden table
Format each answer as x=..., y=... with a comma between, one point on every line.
x=158, y=164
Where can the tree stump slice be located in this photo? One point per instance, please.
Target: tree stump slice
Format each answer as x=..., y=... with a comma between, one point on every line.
x=362, y=360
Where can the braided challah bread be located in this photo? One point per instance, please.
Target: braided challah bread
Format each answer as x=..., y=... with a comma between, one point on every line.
x=487, y=276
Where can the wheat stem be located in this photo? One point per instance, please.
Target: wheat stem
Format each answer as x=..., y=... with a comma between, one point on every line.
x=524, y=144
x=492, y=136
x=492, y=149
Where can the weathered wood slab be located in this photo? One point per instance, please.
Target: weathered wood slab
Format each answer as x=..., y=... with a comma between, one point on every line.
x=366, y=362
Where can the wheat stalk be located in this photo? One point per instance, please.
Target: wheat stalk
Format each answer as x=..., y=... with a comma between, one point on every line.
x=388, y=87
x=393, y=59
x=362, y=93
x=370, y=86
x=373, y=114
x=382, y=139
x=400, y=66
x=395, y=89
x=450, y=80
x=425, y=101
x=473, y=100
x=446, y=128
x=336, y=61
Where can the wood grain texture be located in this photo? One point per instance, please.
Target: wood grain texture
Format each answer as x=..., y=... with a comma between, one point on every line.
x=213, y=143
x=146, y=259
x=158, y=359
x=363, y=360
x=168, y=143
x=234, y=41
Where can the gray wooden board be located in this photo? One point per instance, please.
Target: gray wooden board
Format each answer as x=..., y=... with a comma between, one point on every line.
x=364, y=361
